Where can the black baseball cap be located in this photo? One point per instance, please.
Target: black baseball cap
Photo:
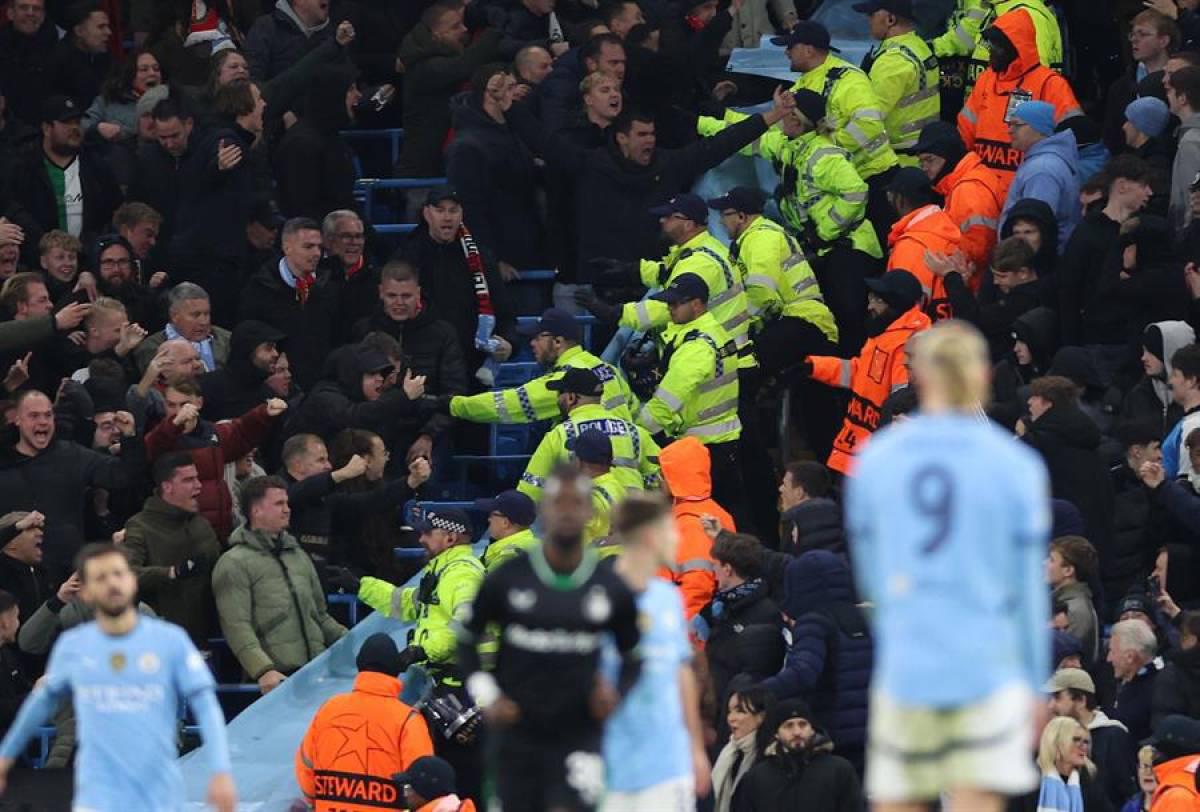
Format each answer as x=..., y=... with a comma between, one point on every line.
x=806, y=32
x=429, y=776
x=939, y=138
x=593, y=446
x=901, y=8
x=556, y=322
x=371, y=360
x=689, y=205
x=513, y=505
x=1175, y=736
x=747, y=199
x=898, y=288
x=578, y=381
x=684, y=287
x=266, y=213
x=449, y=519
x=441, y=193
x=60, y=108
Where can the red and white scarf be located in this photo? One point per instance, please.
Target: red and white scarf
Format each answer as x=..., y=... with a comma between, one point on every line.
x=475, y=265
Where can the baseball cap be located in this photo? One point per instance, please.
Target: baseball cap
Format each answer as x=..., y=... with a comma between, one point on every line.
x=898, y=288
x=556, y=322
x=371, y=360
x=592, y=446
x=60, y=108
x=513, y=505
x=1070, y=679
x=449, y=519
x=684, y=287
x=429, y=776
x=689, y=205
x=901, y=8
x=1176, y=735
x=748, y=199
x=578, y=381
x=441, y=193
x=939, y=138
x=909, y=180
x=806, y=32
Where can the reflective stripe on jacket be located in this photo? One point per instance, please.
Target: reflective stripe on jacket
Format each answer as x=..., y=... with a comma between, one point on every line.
x=779, y=281
x=916, y=234
x=905, y=77
x=973, y=203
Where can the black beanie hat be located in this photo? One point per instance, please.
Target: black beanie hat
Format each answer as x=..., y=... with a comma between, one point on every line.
x=380, y=654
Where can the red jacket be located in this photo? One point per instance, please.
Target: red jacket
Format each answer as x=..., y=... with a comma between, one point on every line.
x=211, y=446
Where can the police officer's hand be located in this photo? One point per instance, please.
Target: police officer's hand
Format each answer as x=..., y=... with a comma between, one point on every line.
x=589, y=301
x=343, y=580
x=614, y=273
x=411, y=656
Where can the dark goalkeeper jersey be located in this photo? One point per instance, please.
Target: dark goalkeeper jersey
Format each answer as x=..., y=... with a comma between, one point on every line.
x=551, y=631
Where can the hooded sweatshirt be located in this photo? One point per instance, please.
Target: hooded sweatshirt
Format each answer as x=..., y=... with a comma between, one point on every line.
x=239, y=386
x=1183, y=172
x=1050, y=172
x=687, y=471
x=1154, y=393
x=1040, y=214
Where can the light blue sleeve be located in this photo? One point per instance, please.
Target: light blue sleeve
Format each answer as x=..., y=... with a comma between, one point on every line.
x=857, y=519
x=195, y=683
x=1033, y=602
x=40, y=705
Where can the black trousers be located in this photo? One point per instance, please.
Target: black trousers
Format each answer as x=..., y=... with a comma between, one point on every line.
x=534, y=774
x=842, y=273
x=728, y=488
x=879, y=211
x=760, y=511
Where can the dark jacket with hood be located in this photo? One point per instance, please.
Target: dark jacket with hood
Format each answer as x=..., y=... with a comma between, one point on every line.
x=815, y=524
x=1099, y=398
x=1154, y=289
x=829, y=660
x=615, y=195
x=313, y=165
x=745, y=638
x=310, y=327
x=449, y=291
x=25, y=70
x=28, y=584
x=214, y=204
x=1045, y=261
x=1150, y=398
x=279, y=40
x=429, y=347
x=76, y=73
x=1038, y=329
x=496, y=180
x=812, y=779
x=433, y=73
x=993, y=311
x=1088, y=316
x=55, y=483
x=1177, y=687
x=239, y=386
x=1069, y=442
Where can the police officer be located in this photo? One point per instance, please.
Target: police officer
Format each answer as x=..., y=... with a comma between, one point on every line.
x=593, y=453
x=698, y=394
x=853, y=108
x=790, y=315
x=510, y=516
x=903, y=72
x=579, y=393
x=555, y=344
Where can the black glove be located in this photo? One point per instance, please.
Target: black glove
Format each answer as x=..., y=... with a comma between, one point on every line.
x=187, y=569
x=613, y=273
x=593, y=304
x=411, y=656
x=342, y=580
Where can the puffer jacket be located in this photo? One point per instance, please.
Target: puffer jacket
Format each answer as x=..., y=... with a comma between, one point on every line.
x=745, y=637
x=1177, y=688
x=271, y=604
x=1050, y=172
x=815, y=524
x=687, y=469
x=211, y=446
x=813, y=780
x=163, y=536
x=830, y=657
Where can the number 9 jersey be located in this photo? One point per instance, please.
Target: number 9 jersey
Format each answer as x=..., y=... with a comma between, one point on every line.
x=948, y=520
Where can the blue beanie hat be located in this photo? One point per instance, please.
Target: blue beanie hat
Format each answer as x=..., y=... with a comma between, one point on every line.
x=1037, y=114
x=1149, y=115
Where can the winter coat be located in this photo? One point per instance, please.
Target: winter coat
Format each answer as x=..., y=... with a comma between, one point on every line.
x=1068, y=441
x=829, y=660
x=238, y=386
x=1155, y=289
x=25, y=70
x=993, y=311
x=973, y=200
x=33, y=206
x=121, y=111
x=163, y=536
x=1045, y=261
x=55, y=483
x=211, y=446
x=730, y=767
x=278, y=40
x=77, y=74
x=1177, y=687
x=429, y=347
x=1135, y=530
x=272, y=607
x=1183, y=172
x=815, y=524
x=1150, y=398
x=1134, y=699
x=313, y=165
x=28, y=584
x=496, y=180
x=1050, y=172
x=433, y=73
x=814, y=782
x=1038, y=329
x=144, y=352
x=1115, y=755
x=744, y=638
x=328, y=521
x=913, y=238
x=1088, y=317
x=15, y=685
x=310, y=327
x=1082, y=622
x=449, y=291
x=214, y=205
x=615, y=195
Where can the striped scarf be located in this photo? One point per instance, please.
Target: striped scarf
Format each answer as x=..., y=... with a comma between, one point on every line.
x=475, y=266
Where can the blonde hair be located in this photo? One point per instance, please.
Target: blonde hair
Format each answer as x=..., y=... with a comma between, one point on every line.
x=951, y=359
x=58, y=239
x=105, y=306
x=594, y=78
x=1056, y=740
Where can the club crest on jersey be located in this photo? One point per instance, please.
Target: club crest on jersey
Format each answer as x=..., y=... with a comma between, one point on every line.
x=596, y=606
x=149, y=663
x=522, y=600
x=117, y=661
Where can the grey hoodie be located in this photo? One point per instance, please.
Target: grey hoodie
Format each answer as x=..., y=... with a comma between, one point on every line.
x=1175, y=335
x=1183, y=172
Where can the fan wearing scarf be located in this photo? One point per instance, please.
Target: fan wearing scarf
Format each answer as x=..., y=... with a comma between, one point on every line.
x=1069, y=781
